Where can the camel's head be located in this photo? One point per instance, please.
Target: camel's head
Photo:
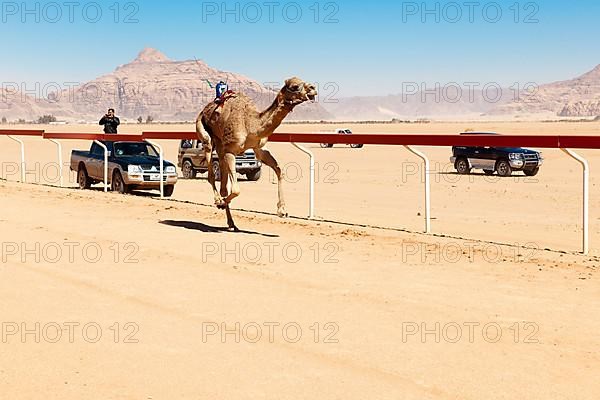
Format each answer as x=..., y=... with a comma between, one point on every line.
x=297, y=92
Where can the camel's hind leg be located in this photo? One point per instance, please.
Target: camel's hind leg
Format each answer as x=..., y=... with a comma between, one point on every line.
x=230, y=223
x=207, y=144
x=267, y=158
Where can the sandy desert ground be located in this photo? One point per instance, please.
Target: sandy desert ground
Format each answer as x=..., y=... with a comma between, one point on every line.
x=133, y=297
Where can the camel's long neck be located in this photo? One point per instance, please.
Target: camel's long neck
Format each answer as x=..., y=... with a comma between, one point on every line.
x=272, y=117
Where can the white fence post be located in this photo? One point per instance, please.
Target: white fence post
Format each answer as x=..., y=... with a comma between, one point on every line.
x=60, y=159
x=427, y=182
x=586, y=198
x=311, y=187
x=23, y=165
x=161, y=168
x=99, y=143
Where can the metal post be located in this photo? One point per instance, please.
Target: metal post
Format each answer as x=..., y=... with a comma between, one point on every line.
x=427, y=187
x=311, y=188
x=23, y=166
x=99, y=143
x=586, y=198
x=161, y=168
x=60, y=159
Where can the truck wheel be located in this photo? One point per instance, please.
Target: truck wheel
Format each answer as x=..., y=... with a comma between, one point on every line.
x=118, y=185
x=504, y=169
x=356, y=146
x=188, y=170
x=83, y=179
x=254, y=176
x=168, y=190
x=217, y=170
x=326, y=145
x=462, y=166
x=488, y=171
x=531, y=172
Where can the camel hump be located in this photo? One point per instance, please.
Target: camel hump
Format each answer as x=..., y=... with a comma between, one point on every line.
x=228, y=95
x=229, y=98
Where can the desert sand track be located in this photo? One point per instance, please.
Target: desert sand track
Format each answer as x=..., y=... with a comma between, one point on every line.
x=514, y=321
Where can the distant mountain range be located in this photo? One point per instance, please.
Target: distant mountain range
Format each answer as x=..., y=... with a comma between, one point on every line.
x=579, y=97
x=153, y=85
x=454, y=102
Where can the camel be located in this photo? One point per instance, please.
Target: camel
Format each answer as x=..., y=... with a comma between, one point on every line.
x=236, y=126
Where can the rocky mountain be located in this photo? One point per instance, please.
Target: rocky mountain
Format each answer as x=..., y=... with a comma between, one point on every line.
x=16, y=105
x=167, y=90
x=151, y=85
x=590, y=108
x=579, y=97
x=444, y=103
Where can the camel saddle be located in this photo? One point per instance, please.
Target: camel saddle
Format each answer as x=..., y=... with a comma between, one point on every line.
x=230, y=94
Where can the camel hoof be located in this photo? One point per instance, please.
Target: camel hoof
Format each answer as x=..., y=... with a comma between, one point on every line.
x=220, y=203
x=282, y=214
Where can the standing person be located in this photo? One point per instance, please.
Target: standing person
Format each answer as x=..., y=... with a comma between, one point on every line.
x=110, y=122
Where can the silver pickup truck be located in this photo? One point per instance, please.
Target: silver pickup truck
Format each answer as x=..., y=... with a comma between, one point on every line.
x=191, y=161
x=131, y=165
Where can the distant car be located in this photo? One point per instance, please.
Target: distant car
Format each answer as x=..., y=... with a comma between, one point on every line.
x=342, y=132
x=191, y=160
x=131, y=165
x=503, y=160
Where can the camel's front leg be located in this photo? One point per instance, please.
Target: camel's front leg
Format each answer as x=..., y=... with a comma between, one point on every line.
x=207, y=144
x=228, y=167
x=267, y=158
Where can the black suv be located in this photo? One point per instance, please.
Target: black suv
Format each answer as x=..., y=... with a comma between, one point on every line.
x=503, y=160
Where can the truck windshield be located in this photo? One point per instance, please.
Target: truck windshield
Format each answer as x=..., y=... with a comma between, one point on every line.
x=134, y=149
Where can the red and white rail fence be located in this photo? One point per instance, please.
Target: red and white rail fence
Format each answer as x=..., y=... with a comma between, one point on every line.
x=564, y=143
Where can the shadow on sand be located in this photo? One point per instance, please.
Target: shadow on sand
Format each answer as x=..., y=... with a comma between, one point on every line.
x=198, y=226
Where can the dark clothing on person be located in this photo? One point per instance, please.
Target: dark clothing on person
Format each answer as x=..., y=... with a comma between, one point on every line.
x=222, y=88
x=110, y=124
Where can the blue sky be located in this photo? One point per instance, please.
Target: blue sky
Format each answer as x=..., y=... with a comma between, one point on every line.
x=366, y=48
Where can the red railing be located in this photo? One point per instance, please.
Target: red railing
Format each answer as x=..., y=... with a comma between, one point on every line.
x=539, y=141
x=93, y=136
x=170, y=135
x=21, y=132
